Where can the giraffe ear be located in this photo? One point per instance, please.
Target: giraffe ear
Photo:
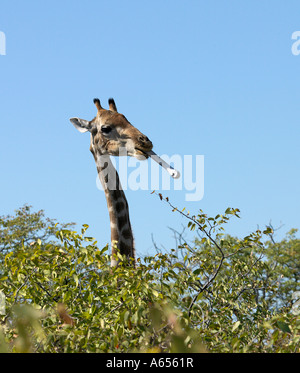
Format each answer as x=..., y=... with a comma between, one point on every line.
x=81, y=125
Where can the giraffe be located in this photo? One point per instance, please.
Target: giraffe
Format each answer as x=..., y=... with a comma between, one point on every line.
x=111, y=134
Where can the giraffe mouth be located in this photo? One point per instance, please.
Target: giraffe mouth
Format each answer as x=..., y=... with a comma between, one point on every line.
x=141, y=154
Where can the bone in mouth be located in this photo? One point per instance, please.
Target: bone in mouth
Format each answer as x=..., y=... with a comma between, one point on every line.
x=174, y=173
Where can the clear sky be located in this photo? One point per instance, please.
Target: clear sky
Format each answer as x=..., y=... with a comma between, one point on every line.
x=214, y=78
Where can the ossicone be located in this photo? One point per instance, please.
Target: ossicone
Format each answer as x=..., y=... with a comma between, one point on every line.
x=97, y=103
x=112, y=105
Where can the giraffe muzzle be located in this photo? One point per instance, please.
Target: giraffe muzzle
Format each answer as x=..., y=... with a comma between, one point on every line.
x=145, y=145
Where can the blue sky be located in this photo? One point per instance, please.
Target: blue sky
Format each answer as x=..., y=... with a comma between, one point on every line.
x=213, y=78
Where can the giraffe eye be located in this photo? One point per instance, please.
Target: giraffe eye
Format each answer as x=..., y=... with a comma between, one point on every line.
x=106, y=129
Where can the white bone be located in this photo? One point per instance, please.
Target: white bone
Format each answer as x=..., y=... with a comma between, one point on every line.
x=174, y=173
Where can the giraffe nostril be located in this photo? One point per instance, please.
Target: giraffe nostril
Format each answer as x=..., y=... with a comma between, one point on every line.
x=144, y=139
x=144, y=143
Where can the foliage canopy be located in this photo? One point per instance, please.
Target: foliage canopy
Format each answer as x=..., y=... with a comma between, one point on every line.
x=217, y=293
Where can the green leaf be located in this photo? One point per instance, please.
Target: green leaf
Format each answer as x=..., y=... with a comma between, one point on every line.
x=284, y=327
x=268, y=231
x=75, y=277
x=197, y=271
x=236, y=325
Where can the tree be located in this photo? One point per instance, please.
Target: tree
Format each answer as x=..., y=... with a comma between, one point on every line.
x=217, y=293
x=26, y=227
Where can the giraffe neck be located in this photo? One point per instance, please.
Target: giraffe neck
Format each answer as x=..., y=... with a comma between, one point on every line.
x=121, y=232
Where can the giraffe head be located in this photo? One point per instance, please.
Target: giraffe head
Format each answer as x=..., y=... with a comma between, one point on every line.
x=111, y=132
